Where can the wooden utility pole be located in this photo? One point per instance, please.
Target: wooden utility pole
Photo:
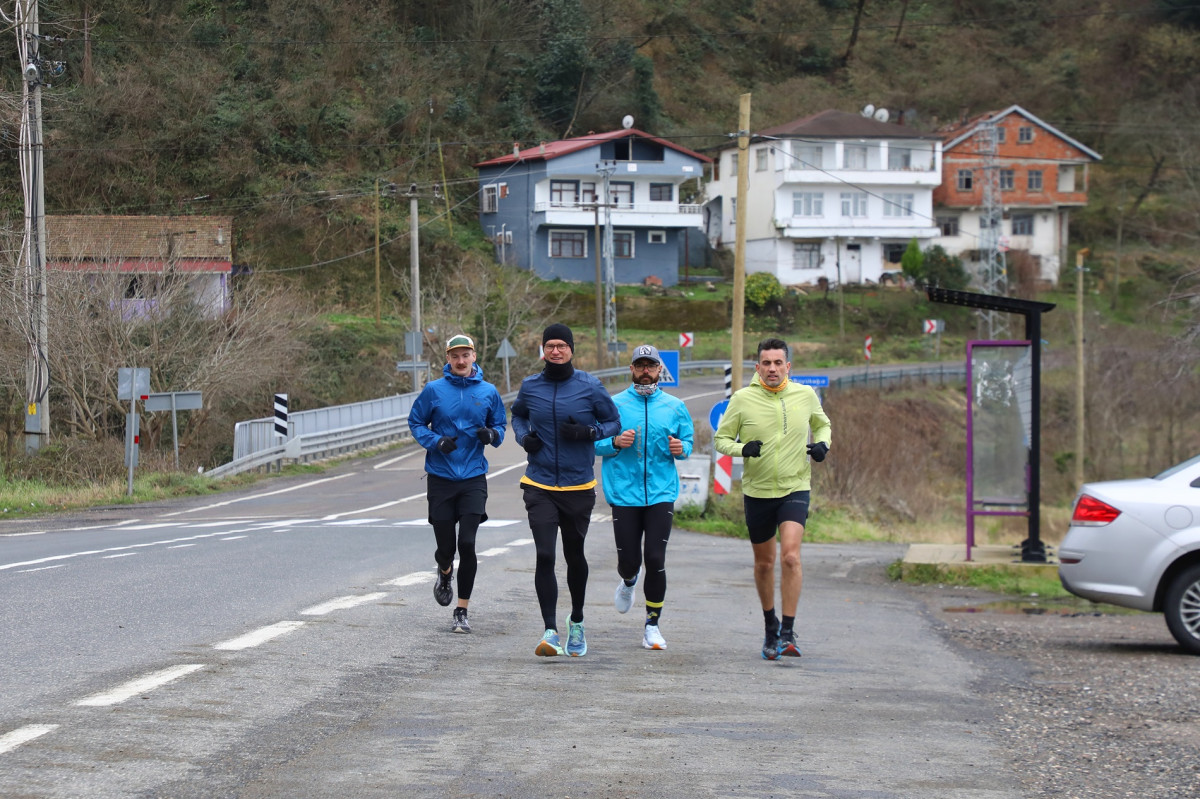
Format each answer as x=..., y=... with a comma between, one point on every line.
x=1079, y=419
x=377, y=286
x=739, y=250
x=599, y=293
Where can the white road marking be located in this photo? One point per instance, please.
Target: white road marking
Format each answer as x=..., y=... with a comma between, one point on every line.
x=233, y=523
x=260, y=496
x=500, y=522
x=149, y=682
x=22, y=735
x=260, y=636
x=487, y=553
x=234, y=537
x=411, y=579
x=80, y=554
x=341, y=603
x=703, y=394
x=181, y=546
x=20, y=535
x=520, y=542
x=122, y=555
x=40, y=569
x=418, y=451
x=601, y=517
x=347, y=522
x=154, y=526
x=287, y=522
x=412, y=523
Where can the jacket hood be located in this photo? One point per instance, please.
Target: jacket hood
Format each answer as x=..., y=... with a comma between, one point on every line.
x=476, y=375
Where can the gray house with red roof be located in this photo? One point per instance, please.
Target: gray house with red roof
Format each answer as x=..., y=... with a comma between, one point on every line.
x=544, y=206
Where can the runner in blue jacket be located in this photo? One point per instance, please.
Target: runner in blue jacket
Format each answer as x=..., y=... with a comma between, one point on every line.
x=641, y=484
x=558, y=415
x=454, y=418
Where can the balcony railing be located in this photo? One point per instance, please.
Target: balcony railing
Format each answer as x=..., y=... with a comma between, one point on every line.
x=635, y=208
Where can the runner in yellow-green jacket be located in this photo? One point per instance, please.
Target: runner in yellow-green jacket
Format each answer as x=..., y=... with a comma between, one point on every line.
x=768, y=423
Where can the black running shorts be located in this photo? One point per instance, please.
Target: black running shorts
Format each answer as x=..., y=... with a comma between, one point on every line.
x=764, y=515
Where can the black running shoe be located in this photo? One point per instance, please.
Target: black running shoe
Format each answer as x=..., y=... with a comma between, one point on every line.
x=443, y=590
x=787, y=644
x=461, y=625
x=770, y=649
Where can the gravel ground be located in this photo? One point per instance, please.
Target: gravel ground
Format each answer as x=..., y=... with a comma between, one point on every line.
x=1093, y=704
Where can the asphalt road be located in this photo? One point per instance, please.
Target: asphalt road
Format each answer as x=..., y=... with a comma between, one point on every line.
x=283, y=642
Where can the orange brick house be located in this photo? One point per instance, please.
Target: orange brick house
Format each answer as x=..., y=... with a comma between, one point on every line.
x=196, y=248
x=1043, y=174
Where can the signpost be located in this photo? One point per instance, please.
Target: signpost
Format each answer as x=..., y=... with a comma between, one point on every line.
x=934, y=327
x=506, y=352
x=132, y=384
x=174, y=401
x=686, y=341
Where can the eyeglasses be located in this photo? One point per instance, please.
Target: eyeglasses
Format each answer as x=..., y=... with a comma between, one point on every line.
x=556, y=346
x=645, y=366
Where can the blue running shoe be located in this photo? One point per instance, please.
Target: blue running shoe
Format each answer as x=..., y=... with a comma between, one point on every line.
x=550, y=645
x=576, y=642
x=770, y=650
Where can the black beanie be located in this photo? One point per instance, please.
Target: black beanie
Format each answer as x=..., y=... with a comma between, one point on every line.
x=560, y=332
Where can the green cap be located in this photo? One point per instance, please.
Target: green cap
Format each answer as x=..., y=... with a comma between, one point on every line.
x=461, y=340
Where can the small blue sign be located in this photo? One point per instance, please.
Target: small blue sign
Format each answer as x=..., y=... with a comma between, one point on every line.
x=714, y=416
x=816, y=381
x=670, y=362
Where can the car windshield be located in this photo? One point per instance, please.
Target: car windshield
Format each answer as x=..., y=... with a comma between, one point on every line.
x=1177, y=468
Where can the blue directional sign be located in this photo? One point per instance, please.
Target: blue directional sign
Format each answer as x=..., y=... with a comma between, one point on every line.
x=816, y=381
x=670, y=376
x=714, y=416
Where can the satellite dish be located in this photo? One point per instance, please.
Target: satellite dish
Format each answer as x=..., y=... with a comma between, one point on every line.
x=868, y=109
x=627, y=122
x=882, y=115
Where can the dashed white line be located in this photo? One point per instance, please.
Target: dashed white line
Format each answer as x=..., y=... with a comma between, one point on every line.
x=181, y=546
x=499, y=522
x=341, y=603
x=22, y=735
x=348, y=522
x=233, y=538
x=259, y=636
x=520, y=542
x=301, y=486
x=140, y=685
x=122, y=555
x=154, y=526
x=39, y=569
x=411, y=579
x=487, y=553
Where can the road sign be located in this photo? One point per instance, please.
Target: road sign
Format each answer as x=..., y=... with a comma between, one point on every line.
x=718, y=410
x=670, y=362
x=132, y=384
x=506, y=350
x=281, y=415
x=934, y=326
x=686, y=340
x=867, y=348
x=174, y=400
x=816, y=381
x=723, y=475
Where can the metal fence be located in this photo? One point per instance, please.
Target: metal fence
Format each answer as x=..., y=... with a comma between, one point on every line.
x=341, y=429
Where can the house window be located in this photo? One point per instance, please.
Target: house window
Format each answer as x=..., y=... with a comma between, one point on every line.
x=568, y=244
x=1033, y=180
x=808, y=203
x=897, y=205
x=587, y=193
x=620, y=194
x=564, y=192
x=854, y=157
x=733, y=161
x=892, y=253
x=948, y=225
x=622, y=244
x=1000, y=135
x=1024, y=134
x=760, y=159
x=488, y=201
x=810, y=156
x=662, y=192
x=1066, y=178
x=656, y=236
x=899, y=158
x=1007, y=179
x=854, y=203
x=806, y=255
x=966, y=180
x=1022, y=224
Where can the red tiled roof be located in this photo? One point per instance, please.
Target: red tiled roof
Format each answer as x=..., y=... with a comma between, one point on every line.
x=548, y=150
x=148, y=238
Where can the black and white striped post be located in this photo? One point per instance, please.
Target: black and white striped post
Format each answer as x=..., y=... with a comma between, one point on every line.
x=728, y=380
x=281, y=415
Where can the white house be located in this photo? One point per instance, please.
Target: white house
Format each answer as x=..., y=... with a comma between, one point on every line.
x=834, y=195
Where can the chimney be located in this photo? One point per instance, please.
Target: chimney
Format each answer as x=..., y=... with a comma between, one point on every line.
x=516, y=148
x=542, y=148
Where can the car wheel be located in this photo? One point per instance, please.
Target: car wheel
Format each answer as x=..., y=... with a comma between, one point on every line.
x=1182, y=609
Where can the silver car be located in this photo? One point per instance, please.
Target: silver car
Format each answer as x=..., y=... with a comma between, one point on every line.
x=1136, y=543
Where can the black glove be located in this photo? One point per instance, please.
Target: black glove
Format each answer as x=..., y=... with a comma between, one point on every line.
x=446, y=445
x=573, y=431
x=751, y=449
x=532, y=443
x=486, y=435
x=817, y=451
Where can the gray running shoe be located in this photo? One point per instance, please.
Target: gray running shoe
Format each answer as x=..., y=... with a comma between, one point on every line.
x=461, y=625
x=623, y=598
x=443, y=588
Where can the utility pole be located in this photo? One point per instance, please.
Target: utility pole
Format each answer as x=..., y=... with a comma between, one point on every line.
x=599, y=294
x=33, y=246
x=1079, y=372
x=739, y=251
x=995, y=272
x=606, y=168
x=378, y=290
x=414, y=262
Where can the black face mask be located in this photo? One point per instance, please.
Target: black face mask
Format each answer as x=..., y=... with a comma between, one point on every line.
x=558, y=371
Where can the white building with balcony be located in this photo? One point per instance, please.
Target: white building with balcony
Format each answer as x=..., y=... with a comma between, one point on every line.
x=545, y=207
x=834, y=195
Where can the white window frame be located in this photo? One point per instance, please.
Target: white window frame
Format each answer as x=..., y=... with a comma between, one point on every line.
x=899, y=158
x=898, y=204
x=620, y=190
x=624, y=235
x=760, y=159
x=656, y=237
x=587, y=193
x=810, y=156
x=853, y=154
x=806, y=255
x=558, y=187
x=808, y=203
x=1025, y=134
x=854, y=203
x=489, y=199
x=558, y=234
x=1008, y=179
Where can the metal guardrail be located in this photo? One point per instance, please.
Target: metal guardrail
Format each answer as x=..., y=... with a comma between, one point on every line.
x=366, y=432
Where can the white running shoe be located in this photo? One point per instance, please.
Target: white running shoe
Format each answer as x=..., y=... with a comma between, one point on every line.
x=653, y=638
x=623, y=599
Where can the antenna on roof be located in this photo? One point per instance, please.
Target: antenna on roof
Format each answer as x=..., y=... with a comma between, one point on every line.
x=627, y=122
x=868, y=110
